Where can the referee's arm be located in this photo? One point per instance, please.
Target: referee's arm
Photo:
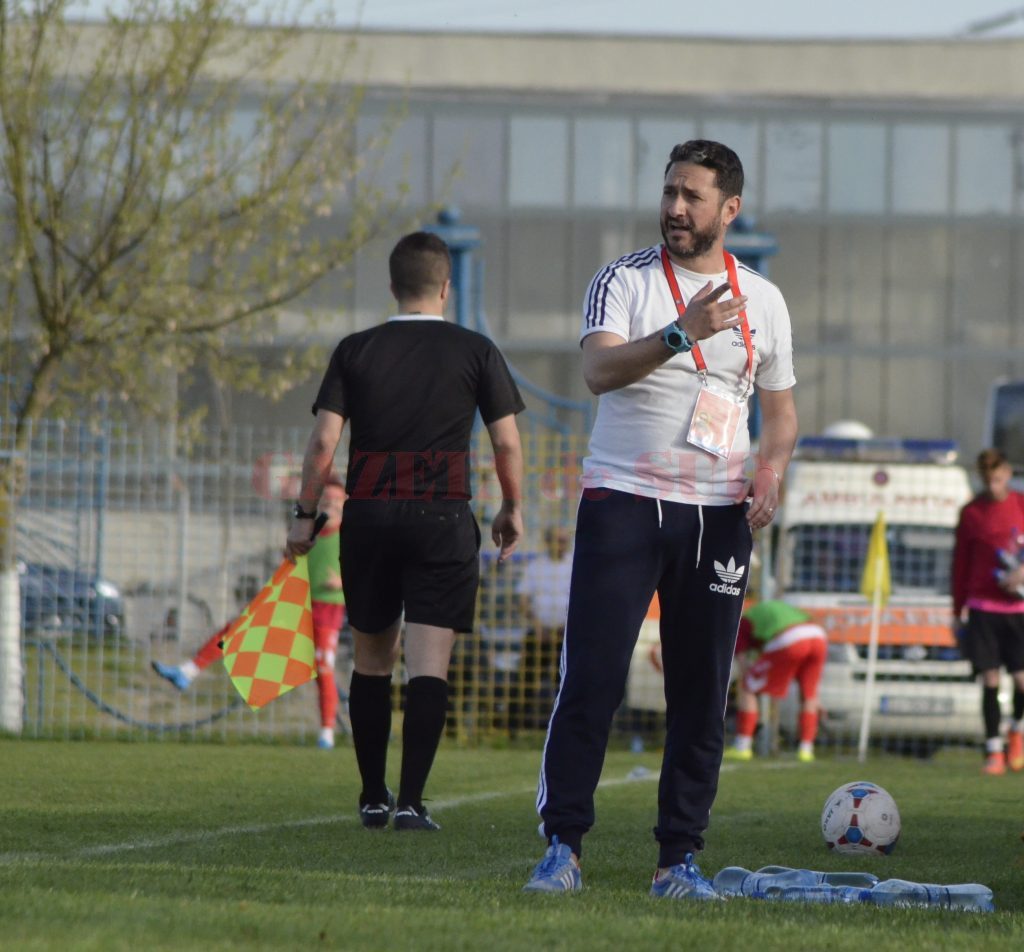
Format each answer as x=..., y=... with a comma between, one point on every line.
x=316, y=467
x=507, y=527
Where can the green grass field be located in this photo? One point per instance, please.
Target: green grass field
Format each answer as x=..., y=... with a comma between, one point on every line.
x=144, y=846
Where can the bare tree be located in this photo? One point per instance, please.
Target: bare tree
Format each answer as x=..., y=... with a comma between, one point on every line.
x=161, y=174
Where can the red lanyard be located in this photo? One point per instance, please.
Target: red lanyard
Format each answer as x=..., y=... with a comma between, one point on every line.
x=734, y=284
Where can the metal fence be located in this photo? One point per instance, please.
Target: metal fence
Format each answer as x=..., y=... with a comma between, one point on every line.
x=135, y=544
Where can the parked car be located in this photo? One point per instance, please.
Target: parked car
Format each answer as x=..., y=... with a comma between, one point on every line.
x=56, y=600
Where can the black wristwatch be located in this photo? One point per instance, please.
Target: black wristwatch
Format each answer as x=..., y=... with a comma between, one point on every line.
x=675, y=339
x=299, y=513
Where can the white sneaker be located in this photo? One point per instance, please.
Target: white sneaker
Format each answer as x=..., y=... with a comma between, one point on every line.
x=326, y=739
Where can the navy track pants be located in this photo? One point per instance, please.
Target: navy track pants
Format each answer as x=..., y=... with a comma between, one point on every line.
x=698, y=560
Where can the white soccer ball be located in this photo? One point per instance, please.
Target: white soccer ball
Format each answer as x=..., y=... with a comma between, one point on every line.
x=860, y=817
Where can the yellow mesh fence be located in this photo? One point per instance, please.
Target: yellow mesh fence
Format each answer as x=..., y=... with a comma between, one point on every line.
x=504, y=674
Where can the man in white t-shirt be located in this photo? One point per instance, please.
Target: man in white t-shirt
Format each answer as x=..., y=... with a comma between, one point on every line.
x=675, y=337
x=543, y=592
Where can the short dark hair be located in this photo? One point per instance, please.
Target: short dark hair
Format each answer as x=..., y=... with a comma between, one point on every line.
x=989, y=460
x=419, y=264
x=712, y=155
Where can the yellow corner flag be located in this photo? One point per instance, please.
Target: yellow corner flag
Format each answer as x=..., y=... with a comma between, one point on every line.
x=269, y=649
x=876, y=576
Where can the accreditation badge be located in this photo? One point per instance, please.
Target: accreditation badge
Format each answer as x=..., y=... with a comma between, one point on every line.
x=715, y=420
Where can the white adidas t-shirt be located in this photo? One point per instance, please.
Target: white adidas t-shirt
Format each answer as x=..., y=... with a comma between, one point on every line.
x=638, y=444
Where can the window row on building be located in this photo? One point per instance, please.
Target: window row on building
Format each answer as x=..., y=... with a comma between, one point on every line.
x=833, y=163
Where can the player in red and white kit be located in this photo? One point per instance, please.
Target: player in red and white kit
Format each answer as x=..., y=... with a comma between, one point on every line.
x=776, y=645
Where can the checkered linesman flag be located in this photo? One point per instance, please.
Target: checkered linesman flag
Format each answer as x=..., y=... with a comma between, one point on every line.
x=269, y=649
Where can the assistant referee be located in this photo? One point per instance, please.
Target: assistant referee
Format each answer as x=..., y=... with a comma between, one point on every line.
x=410, y=389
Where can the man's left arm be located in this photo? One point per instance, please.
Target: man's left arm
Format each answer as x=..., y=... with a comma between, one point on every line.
x=507, y=526
x=778, y=437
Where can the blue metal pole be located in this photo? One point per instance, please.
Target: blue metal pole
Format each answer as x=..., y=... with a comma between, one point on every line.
x=462, y=241
x=752, y=247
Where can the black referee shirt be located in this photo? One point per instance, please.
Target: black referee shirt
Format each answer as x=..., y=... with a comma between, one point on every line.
x=410, y=389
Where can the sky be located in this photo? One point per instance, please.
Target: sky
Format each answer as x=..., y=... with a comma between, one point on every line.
x=878, y=19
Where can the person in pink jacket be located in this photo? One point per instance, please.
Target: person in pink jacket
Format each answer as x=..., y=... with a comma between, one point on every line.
x=987, y=582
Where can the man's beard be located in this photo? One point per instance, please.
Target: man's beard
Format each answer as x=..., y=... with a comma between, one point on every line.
x=701, y=242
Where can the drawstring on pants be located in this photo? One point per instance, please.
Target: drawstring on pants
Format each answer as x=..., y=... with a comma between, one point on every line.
x=700, y=535
x=700, y=517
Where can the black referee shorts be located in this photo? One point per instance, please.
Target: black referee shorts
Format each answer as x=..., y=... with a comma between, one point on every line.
x=420, y=557
x=995, y=640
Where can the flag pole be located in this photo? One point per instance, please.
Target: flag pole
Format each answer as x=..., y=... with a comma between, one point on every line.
x=869, y=679
x=875, y=583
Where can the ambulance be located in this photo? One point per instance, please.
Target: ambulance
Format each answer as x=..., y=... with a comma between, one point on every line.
x=814, y=554
x=813, y=557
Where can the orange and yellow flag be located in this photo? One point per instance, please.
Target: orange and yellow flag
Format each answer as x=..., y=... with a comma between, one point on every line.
x=269, y=649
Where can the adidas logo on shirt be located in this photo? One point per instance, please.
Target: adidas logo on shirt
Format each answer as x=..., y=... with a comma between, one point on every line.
x=738, y=341
x=729, y=574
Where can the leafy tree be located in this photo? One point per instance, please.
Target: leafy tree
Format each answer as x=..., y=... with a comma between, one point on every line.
x=161, y=189
x=162, y=177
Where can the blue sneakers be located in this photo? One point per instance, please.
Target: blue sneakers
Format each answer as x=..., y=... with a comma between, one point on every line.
x=683, y=881
x=172, y=673
x=556, y=872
